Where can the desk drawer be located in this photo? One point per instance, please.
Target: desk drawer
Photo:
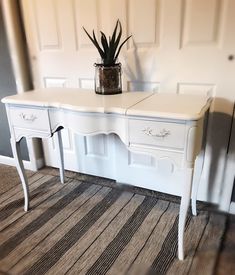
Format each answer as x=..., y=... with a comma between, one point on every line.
x=157, y=133
x=32, y=119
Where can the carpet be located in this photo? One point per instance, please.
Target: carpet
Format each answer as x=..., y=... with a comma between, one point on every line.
x=89, y=225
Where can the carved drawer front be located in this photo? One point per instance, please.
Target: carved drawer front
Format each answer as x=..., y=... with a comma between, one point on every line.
x=157, y=133
x=32, y=119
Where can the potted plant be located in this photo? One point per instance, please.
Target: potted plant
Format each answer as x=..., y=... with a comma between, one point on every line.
x=108, y=72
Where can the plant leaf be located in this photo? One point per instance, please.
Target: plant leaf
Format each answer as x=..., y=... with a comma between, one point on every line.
x=114, y=32
x=114, y=42
x=95, y=42
x=104, y=42
x=98, y=46
x=109, y=59
x=118, y=38
x=119, y=49
x=119, y=35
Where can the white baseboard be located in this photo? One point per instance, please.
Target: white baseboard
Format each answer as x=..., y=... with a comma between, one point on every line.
x=232, y=208
x=27, y=164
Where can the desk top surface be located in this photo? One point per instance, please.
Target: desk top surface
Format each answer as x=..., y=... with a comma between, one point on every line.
x=147, y=104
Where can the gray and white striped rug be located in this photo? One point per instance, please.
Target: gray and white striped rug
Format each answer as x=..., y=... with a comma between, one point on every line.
x=87, y=226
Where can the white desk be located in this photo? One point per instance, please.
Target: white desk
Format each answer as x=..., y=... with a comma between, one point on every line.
x=163, y=125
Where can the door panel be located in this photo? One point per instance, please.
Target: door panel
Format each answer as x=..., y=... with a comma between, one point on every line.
x=180, y=46
x=48, y=31
x=196, y=14
x=145, y=32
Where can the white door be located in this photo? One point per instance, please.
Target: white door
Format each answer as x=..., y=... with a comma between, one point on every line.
x=180, y=46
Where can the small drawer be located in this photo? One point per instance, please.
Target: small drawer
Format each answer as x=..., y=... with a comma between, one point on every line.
x=157, y=133
x=32, y=119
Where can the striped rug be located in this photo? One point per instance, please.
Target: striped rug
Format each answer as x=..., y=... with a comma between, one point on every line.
x=92, y=226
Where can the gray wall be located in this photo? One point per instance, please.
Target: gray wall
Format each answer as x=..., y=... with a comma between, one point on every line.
x=7, y=87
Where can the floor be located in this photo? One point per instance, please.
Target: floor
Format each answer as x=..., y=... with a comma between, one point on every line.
x=225, y=259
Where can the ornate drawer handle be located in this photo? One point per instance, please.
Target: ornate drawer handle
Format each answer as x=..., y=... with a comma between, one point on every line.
x=29, y=118
x=150, y=132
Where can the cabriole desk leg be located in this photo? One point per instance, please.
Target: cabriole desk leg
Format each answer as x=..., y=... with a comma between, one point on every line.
x=184, y=205
x=199, y=166
x=196, y=180
x=20, y=168
x=59, y=148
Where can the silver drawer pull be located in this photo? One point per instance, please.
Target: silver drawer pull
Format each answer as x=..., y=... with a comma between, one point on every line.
x=29, y=118
x=150, y=132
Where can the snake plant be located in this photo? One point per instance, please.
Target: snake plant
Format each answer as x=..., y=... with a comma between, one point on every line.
x=110, y=48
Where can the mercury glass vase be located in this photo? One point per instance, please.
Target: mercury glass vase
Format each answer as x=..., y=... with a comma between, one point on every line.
x=108, y=79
